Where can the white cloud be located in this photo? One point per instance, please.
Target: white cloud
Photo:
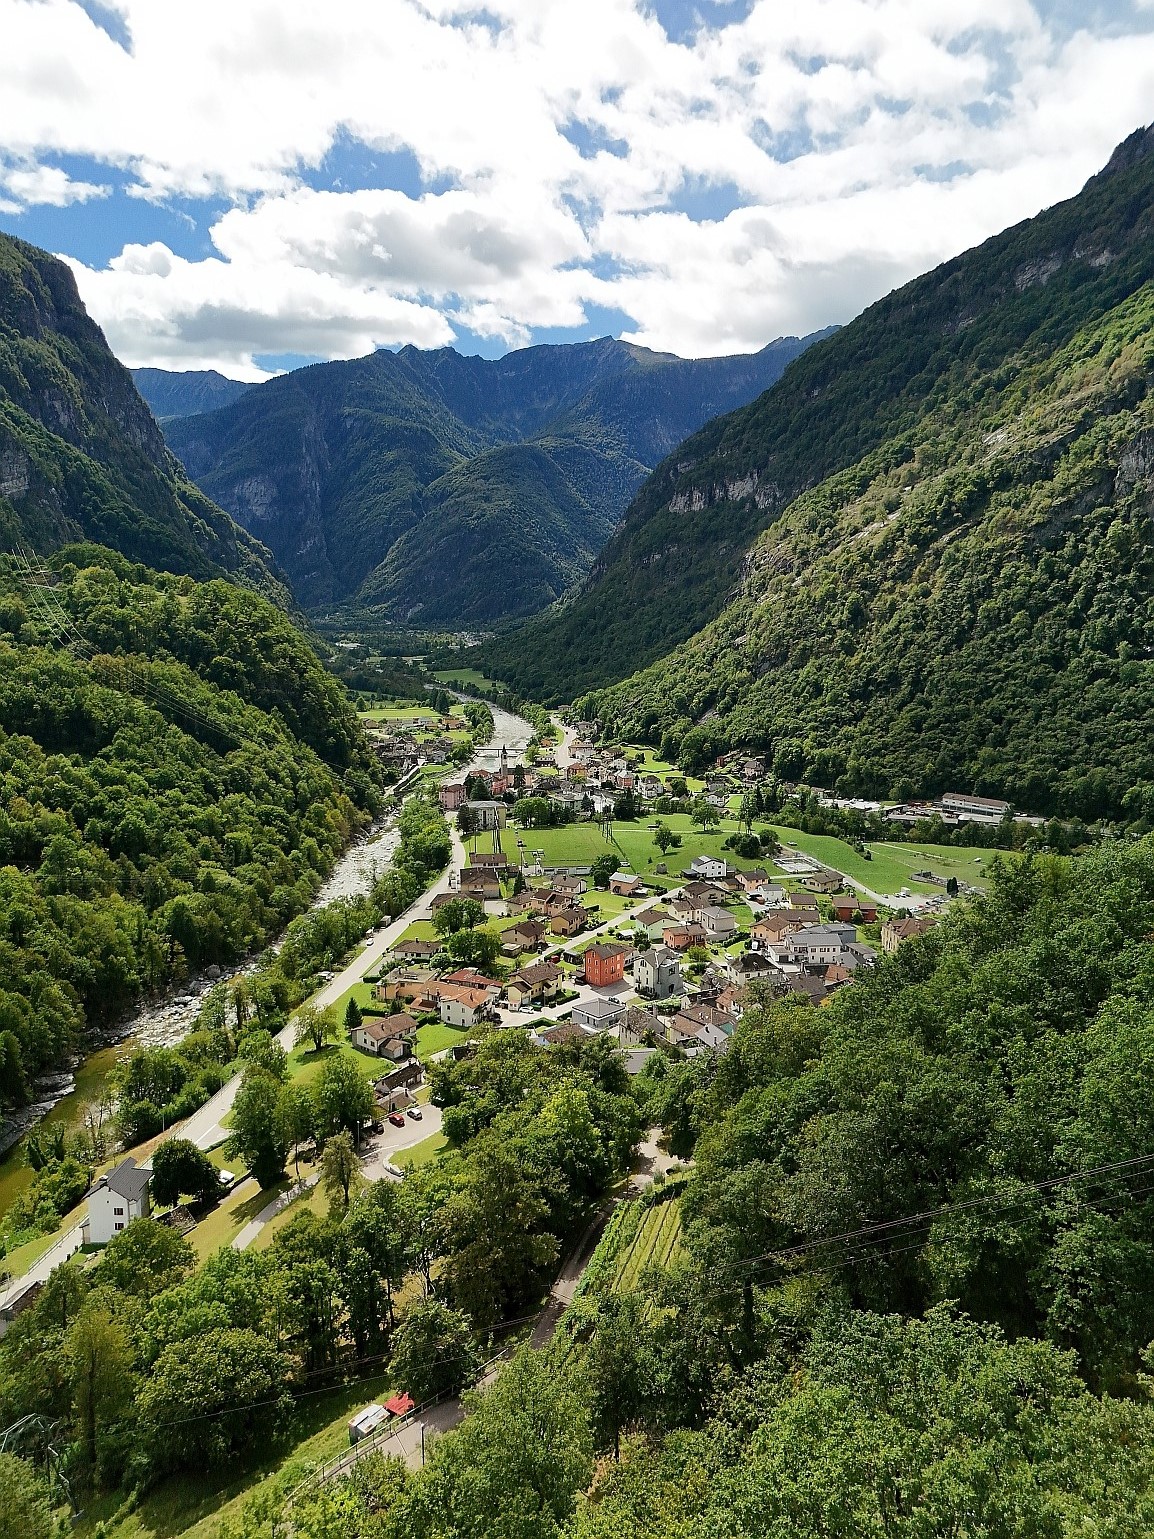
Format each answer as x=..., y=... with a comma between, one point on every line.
x=862, y=140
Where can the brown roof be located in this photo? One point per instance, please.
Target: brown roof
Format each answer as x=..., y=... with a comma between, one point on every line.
x=537, y=972
x=606, y=949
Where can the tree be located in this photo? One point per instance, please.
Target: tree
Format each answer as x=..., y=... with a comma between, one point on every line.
x=704, y=814
x=665, y=839
x=492, y=1234
x=100, y=1362
x=353, y=1016
x=602, y=869
x=343, y=1098
x=466, y=821
x=340, y=1171
x=315, y=1026
x=615, y=1365
x=474, y=948
x=201, y=1407
x=180, y=1169
x=458, y=914
x=25, y=1508
x=433, y=1351
x=295, y=1119
x=261, y=1048
x=146, y=1257
x=523, y=1452
x=257, y=1130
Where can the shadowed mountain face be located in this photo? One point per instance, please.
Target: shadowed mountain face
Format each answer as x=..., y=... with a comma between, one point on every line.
x=941, y=344
x=449, y=490
x=80, y=454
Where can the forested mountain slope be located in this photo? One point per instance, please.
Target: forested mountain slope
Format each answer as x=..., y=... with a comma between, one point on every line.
x=80, y=455
x=173, y=789
x=948, y=344
x=185, y=392
x=454, y=490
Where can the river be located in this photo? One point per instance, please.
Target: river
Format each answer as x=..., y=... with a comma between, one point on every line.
x=163, y=1022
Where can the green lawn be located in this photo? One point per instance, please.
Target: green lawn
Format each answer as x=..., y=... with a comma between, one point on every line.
x=314, y=1201
x=435, y=1038
x=196, y=1506
x=892, y=865
x=462, y=677
x=225, y=1222
x=422, y=1153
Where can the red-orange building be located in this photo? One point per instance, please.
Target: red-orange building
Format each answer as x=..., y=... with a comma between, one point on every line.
x=605, y=964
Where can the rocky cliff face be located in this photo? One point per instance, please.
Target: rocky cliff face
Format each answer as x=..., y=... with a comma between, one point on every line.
x=81, y=456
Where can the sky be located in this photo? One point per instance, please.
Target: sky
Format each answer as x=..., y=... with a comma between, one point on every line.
x=246, y=186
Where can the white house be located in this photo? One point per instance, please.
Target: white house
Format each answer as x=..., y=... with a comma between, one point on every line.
x=657, y=972
x=709, y=868
x=719, y=923
x=599, y=1014
x=115, y=1200
x=821, y=945
x=458, y=1005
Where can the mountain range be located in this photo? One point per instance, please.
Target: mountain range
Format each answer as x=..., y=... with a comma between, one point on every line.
x=80, y=454
x=926, y=555
x=184, y=393
x=451, y=491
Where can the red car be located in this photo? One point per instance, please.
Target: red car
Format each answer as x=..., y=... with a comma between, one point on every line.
x=396, y=1119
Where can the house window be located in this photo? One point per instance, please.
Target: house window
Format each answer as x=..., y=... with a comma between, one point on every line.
x=119, y=1212
x=118, y=1227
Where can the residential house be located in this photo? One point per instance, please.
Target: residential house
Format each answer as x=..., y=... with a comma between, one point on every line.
x=599, y=1014
x=846, y=908
x=719, y=924
x=115, y=1200
x=697, y=1028
x=895, y=931
x=752, y=881
x=533, y=985
x=625, y=885
x=679, y=937
x=413, y=950
x=395, y=1088
x=822, y=881
x=818, y=945
x=749, y=965
x=525, y=935
x=702, y=894
x=638, y=1026
x=470, y=978
x=605, y=964
x=710, y=868
x=652, y=921
x=488, y=815
x=567, y=921
x=571, y=883
x=459, y=1005
x=657, y=973
x=494, y=861
x=384, y=1037
x=417, y=985
x=451, y=795
x=774, y=927
x=480, y=885
x=562, y=1034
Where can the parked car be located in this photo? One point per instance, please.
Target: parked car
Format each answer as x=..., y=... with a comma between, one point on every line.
x=377, y=1127
x=396, y=1119
x=416, y=1113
